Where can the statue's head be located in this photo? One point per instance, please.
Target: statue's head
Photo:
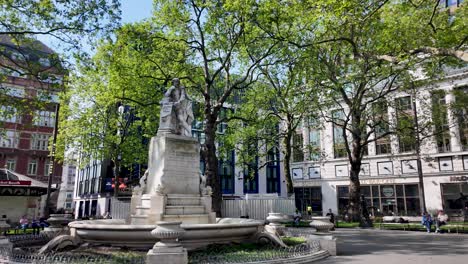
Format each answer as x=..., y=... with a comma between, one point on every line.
x=176, y=82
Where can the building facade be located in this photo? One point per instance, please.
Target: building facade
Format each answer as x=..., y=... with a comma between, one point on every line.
x=389, y=175
x=28, y=107
x=67, y=187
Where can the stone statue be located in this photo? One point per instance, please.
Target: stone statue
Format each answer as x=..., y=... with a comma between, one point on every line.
x=176, y=110
x=139, y=190
x=204, y=189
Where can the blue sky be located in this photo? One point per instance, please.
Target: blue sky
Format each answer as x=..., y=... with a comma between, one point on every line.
x=132, y=11
x=136, y=10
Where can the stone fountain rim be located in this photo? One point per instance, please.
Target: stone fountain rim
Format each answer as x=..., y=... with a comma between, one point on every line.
x=113, y=224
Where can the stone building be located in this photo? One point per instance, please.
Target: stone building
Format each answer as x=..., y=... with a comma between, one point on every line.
x=389, y=176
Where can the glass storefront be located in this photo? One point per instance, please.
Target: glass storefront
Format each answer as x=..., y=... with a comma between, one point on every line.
x=454, y=197
x=400, y=199
x=309, y=197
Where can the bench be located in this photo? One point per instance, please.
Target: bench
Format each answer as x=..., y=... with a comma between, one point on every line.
x=454, y=226
x=404, y=225
x=393, y=221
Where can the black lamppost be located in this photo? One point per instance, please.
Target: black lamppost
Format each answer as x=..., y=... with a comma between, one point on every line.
x=52, y=160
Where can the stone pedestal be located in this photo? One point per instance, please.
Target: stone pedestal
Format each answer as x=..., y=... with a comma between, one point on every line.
x=275, y=225
x=174, y=165
x=173, y=185
x=168, y=250
x=327, y=242
x=323, y=225
x=58, y=223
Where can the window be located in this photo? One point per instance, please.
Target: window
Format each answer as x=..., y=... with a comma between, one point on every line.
x=71, y=175
x=382, y=142
x=48, y=167
x=44, y=118
x=309, y=197
x=405, y=124
x=32, y=167
x=9, y=114
x=461, y=108
x=251, y=179
x=439, y=118
x=297, y=148
x=39, y=141
x=68, y=205
x=81, y=185
x=314, y=139
x=11, y=164
x=226, y=173
x=339, y=147
x=452, y=199
x=272, y=171
x=404, y=103
x=69, y=195
x=400, y=199
x=9, y=139
x=222, y=126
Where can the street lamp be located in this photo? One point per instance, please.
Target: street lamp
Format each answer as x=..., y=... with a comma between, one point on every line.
x=52, y=159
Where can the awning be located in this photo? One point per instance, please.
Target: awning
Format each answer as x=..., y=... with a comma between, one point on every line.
x=15, y=184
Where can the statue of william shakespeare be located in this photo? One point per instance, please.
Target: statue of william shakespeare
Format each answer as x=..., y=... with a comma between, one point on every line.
x=176, y=111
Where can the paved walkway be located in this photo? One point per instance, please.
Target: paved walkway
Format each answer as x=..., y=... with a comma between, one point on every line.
x=398, y=247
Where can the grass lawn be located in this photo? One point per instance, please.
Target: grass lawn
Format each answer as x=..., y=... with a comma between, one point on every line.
x=20, y=231
x=340, y=224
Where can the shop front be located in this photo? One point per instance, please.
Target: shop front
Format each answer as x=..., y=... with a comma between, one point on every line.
x=309, y=200
x=385, y=199
x=455, y=194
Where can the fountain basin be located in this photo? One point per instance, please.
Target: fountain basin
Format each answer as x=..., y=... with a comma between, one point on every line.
x=116, y=232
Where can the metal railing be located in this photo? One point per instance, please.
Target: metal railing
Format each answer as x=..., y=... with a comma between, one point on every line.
x=257, y=208
x=75, y=258
x=26, y=240
x=224, y=255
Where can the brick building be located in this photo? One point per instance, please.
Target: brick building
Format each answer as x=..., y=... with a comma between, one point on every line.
x=30, y=78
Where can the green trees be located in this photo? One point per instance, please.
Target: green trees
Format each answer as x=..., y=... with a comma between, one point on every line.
x=366, y=53
x=339, y=60
x=225, y=47
x=68, y=24
x=112, y=104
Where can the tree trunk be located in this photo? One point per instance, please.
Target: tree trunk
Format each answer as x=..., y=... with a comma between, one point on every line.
x=422, y=198
x=287, y=160
x=354, y=206
x=211, y=164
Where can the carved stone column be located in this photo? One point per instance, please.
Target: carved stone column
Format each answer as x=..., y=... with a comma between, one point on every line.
x=168, y=249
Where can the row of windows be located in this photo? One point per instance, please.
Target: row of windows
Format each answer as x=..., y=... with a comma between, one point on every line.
x=41, y=118
x=90, y=180
x=404, y=125
x=444, y=164
x=10, y=139
x=32, y=166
